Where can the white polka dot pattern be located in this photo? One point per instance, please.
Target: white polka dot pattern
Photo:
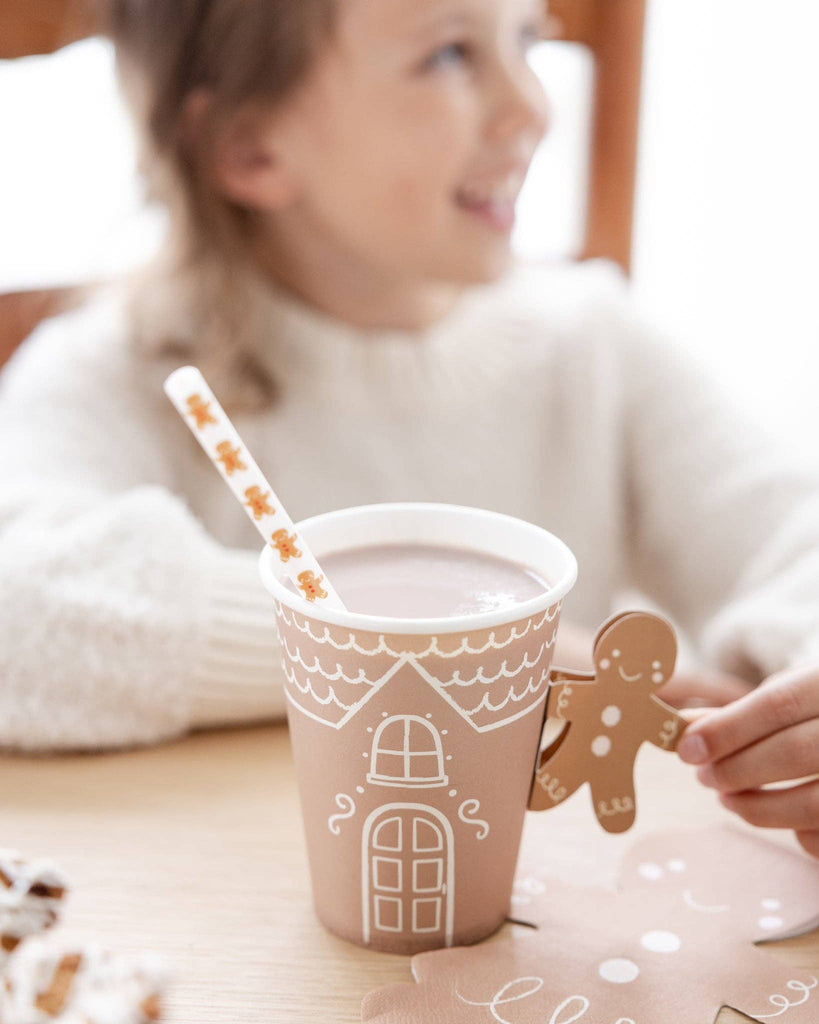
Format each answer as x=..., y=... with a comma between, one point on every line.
x=618, y=970
x=660, y=942
x=651, y=872
x=611, y=715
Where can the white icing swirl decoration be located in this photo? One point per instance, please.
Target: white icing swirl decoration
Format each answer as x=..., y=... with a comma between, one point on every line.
x=346, y=806
x=470, y=807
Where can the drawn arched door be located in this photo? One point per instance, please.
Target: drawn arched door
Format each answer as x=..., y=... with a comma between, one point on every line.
x=407, y=873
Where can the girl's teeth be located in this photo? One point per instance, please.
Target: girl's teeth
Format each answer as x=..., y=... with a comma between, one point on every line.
x=500, y=196
x=506, y=193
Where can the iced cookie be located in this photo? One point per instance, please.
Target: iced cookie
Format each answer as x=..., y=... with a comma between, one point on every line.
x=31, y=894
x=44, y=984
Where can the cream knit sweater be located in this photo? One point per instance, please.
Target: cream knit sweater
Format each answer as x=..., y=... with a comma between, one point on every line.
x=130, y=605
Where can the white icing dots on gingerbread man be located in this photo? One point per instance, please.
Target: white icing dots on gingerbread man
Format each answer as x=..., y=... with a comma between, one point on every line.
x=611, y=715
x=601, y=745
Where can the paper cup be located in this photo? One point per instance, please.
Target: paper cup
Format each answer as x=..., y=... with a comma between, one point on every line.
x=415, y=740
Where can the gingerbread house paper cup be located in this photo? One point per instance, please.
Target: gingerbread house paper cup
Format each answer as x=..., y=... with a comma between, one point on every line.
x=415, y=740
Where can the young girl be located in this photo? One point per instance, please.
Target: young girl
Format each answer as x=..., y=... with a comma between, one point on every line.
x=340, y=179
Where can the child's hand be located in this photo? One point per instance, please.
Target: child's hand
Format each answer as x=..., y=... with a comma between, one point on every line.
x=768, y=735
x=697, y=688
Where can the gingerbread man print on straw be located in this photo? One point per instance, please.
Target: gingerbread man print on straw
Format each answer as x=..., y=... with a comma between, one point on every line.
x=198, y=407
x=199, y=410
x=257, y=503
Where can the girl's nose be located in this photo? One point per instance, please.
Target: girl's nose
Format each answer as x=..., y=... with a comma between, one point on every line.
x=521, y=105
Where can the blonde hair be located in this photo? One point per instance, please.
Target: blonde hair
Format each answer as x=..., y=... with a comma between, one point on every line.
x=199, y=298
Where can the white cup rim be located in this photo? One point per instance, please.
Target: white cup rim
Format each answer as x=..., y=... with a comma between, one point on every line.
x=542, y=540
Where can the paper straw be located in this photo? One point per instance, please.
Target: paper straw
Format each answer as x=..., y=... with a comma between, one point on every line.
x=198, y=407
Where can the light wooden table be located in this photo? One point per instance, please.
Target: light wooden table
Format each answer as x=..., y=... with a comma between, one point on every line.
x=194, y=850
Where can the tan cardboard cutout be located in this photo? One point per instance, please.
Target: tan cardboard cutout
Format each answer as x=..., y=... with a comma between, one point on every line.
x=609, y=714
x=676, y=943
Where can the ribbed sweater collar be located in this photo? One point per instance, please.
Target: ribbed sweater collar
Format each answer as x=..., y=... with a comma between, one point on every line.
x=314, y=339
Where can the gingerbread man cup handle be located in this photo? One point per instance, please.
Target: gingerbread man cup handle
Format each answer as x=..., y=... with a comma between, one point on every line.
x=609, y=714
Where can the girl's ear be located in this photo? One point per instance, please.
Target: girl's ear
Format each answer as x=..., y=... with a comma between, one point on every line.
x=241, y=154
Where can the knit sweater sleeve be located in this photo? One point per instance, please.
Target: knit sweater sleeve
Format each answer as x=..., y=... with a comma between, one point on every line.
x=722, y=521
x=122, y=621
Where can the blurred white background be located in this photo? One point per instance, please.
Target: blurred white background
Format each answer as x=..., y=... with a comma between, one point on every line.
x=727, y=221
x=727, y=231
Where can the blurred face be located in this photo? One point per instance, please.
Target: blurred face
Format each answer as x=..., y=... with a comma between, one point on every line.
x=407, y=146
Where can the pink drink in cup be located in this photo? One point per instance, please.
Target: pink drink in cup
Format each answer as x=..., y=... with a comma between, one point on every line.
x=415, y=736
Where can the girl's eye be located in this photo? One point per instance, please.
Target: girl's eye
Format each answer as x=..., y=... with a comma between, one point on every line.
x=452, y=53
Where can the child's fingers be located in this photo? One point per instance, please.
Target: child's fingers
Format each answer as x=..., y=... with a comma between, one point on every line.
x=810, y=841
x=788, y=754
x=796, y=807
x=780, y=702
x=694, y=714
x=702, y=687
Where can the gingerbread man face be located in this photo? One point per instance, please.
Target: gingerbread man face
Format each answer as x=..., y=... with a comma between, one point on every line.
x=636, y=648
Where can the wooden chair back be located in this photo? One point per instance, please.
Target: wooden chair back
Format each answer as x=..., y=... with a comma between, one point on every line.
x=611, y=29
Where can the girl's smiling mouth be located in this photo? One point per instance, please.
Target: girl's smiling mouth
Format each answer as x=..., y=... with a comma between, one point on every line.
x=493, y=204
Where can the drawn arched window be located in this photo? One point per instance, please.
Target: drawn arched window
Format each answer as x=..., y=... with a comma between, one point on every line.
x=407, y=752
